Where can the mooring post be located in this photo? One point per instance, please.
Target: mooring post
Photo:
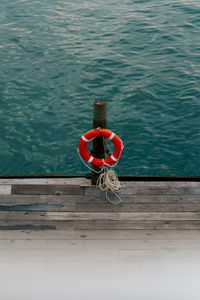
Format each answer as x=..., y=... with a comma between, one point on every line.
x=98, y=151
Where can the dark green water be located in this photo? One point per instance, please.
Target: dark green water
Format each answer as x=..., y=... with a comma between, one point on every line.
x=142, y=57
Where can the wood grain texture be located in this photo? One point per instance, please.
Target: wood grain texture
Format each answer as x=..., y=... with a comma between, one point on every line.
x=149, y=190
x=38, y=202
x=41, y=189
x=64, y=205
x=145, y=244
x=57, y=181
x=31, y=244
x=38, y=207
x=136, y=225
x=141, y=207
x=84, y=200
x=96, y=244
x=70, y=234
x=5, y=189
x=70, y=203
x=51, y=199
x=84, y=226
x=33, y=225
x=22, y=216
x=138, y=199
x=123, y=216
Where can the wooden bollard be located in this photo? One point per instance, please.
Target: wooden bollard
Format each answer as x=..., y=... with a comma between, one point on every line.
x=98, y=151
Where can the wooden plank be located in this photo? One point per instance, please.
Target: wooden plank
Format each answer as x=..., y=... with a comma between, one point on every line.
x=82, y=203
x=81, y=199
x=148, y=190
x=135, y=234
x=98, y=225
x=33, y=225
x=67, y=203
x=120, y=235
x=139, y=199
x=134, y=189
x=144, y=207
x=75, y=244
x=37, y=203
x=67, y=234
x=41, y=189
x=135, y=225
x=38, y=207
x=5, y=189
x=57, y=181
x=22, y=216
x=30, y=244
x=70, y=234
x=85, y=181
x=70, y=207
x=146, y=244
x=43, y=199
x=122, y=216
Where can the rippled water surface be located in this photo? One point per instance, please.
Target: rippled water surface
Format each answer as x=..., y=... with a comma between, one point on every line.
x=58, y=57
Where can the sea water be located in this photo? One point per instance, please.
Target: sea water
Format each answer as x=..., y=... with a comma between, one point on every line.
x=58, y=57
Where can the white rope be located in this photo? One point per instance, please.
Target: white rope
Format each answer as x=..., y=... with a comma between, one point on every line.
x=114, y=165
x=108, y=180
x=98, y=172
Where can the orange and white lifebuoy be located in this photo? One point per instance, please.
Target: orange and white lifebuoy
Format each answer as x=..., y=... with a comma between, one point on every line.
x=90, y=135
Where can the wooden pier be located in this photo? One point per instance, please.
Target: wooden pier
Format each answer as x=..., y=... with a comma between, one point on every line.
x=60, y=232
x=71, y=203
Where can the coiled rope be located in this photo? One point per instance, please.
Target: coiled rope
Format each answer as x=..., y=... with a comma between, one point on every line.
x=108, y=180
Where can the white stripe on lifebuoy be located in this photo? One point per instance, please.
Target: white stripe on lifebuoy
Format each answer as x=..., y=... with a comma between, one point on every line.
x=112, y=136
x=90, y=160
x=86, y=140
x=113, y=158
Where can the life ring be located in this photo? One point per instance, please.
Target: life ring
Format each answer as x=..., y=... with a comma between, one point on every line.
x=90, y=135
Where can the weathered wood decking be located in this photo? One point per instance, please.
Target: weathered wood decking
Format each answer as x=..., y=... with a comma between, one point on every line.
x=65, y=237
x=70, y=203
